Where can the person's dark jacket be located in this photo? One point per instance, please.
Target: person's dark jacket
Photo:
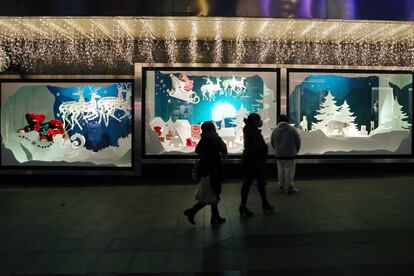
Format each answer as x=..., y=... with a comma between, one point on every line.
x=255, y=148
x=211, y=149
x=285, y=141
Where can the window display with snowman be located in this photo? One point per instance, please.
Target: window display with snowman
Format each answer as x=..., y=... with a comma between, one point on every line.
x=178, y=102
x=352, y=113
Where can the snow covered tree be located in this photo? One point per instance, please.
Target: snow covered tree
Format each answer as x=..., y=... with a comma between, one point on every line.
x=399, y=117
x=239, y=123
x=327, y=112
x=268, y=113
x=241, y=114
x=345, y=114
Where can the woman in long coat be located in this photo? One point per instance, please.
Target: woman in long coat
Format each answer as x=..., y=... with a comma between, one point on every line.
x=253, y=163
x=211, y=149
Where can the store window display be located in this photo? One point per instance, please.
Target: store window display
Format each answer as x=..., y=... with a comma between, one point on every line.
x=178, y=102
x=359, y=113
x=66, y=124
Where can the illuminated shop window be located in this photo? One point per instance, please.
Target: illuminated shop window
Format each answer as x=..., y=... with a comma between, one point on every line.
x=352, y=113
x=179, y=101
x=66, y=123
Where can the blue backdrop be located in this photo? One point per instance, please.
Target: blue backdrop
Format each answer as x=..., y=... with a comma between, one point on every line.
x=357, y=91
x=98, y=135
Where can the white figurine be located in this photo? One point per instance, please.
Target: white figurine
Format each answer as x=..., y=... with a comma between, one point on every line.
x=236, y=86
x=210, y=88
x=364, y=130
x=304, y=124
x=337, y=128
x=69, y=111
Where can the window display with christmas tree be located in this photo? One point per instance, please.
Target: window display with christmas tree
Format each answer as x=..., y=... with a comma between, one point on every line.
x=352, y=113
x=179, y=101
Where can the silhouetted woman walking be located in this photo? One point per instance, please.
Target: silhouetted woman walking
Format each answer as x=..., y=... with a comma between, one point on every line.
x=253, y=163
x=211, y=149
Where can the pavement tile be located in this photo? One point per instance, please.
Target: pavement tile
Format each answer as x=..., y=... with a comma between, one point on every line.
x=346, y=226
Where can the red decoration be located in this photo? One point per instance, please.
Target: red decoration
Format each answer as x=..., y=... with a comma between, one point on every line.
x=169, y=135
x=190, y=142
x=34, y=121
x=157, y=129
x=196, y=132
x=188, y=86
x=55, y=128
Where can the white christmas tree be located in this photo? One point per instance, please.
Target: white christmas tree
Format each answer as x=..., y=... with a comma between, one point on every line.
x=239, y=123
x=328, y=112
x=399, y=117
x=345, y=115
x=268, y=113
x=241, y=114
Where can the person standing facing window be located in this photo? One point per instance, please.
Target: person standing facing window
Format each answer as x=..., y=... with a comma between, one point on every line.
x=286, y=142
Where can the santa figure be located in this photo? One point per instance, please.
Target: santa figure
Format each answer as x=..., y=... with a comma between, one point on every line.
x=188, y=86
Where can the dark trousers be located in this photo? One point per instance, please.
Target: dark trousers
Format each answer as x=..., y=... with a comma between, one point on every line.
x=198, y=206
x=250, y=174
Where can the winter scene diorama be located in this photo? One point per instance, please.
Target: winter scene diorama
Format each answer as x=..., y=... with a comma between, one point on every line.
x=66, y=124
x=351, y=114
x=177, y=103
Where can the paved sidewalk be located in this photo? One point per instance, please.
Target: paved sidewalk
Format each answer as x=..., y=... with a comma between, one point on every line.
x=335, y=227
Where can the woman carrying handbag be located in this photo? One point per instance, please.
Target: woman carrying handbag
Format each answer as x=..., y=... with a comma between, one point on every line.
x=211, y=149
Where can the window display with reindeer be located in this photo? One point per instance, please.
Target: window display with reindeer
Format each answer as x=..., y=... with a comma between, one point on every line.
x=85, y=124
x=178, y=102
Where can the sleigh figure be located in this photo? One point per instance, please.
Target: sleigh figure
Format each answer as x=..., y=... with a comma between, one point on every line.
x=182, y=89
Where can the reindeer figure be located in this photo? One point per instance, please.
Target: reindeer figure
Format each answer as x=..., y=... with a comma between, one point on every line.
x=239, y=87
x=108, y=105
x=204, y=87
x=226, y=84
x=236, y=86
x=67, y=109
x=89, y=110
x=210, y=88
x=126, y=104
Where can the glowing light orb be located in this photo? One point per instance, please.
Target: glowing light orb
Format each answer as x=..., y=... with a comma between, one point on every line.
x=223, y=110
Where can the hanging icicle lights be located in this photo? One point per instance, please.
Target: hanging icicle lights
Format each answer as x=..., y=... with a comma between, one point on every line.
x=31, y=43
x=4, y=60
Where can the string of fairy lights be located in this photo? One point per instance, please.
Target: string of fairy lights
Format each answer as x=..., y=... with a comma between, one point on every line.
x=41, y=42
x=239, y=54
x=193, y=43
x=171, y=42
x=218, y=43
x=4, y=60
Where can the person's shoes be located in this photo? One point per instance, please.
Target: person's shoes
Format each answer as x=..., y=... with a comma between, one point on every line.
x=281, y=190
x=267, y=208
x=293, y=191
x=190, y=216
x=217, y=220
x=244, y=212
